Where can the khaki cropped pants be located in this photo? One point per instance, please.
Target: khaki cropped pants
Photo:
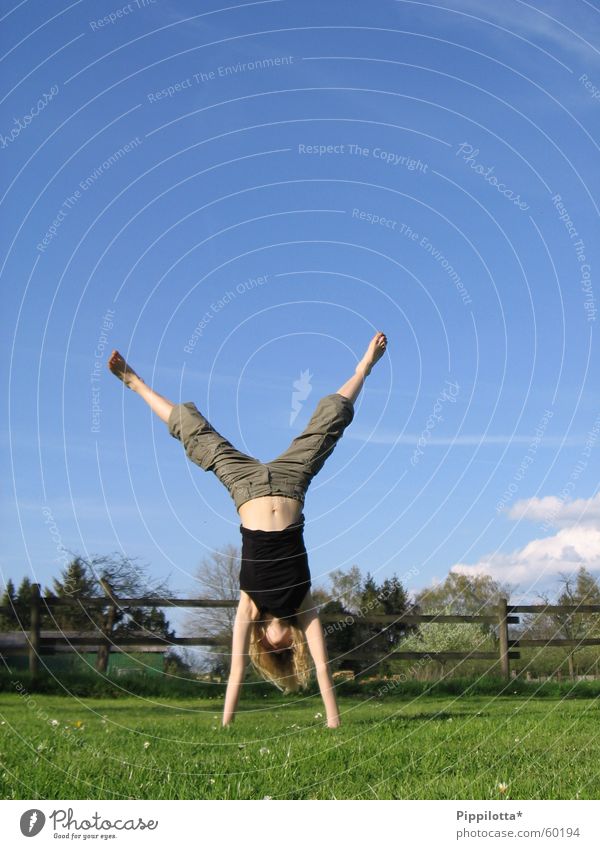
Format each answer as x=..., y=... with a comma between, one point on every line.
x=246, y=477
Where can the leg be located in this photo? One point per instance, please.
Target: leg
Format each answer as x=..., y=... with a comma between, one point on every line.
x=374, y=352
x=203, y=445
x=161, y=406
x=209, y=449
x=308, y=452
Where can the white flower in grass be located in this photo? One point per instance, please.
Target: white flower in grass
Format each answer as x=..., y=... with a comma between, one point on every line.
x=147, y=744
x=502, y=787
x=55, y=723
x=264, y=751
x=318, y=716
x=212, y=780
x=267, y=797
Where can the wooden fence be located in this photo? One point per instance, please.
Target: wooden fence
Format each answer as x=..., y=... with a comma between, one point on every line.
x=38, y=642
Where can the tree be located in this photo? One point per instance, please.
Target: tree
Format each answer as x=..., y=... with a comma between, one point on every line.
x=449, y=636
x=176, y=663
x=459, y=595
x=579, y=589
x=82, y=578
x=76, y=582
x=345, y=588
x=22, y=604
x=8, y=621
x=462, y=594
x=340, y=635
x=352, y=632
x=217, y=578
x=390, y=598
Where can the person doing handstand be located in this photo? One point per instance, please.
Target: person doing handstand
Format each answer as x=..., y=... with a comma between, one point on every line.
x=276, y=623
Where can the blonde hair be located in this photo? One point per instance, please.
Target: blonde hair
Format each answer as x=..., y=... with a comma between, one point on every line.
x=288, y=670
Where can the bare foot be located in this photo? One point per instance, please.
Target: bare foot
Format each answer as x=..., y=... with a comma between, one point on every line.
x=374, y=352
x=119, y=367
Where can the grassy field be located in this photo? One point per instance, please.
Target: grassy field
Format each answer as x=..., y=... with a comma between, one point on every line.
x=467, y=747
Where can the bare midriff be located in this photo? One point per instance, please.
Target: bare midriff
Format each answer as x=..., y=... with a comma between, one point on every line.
x=270, y=512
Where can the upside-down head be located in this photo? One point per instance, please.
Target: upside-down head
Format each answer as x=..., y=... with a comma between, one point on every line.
x=279, y=653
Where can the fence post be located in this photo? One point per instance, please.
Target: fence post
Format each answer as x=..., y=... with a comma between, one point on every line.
x=104, y=648
x=503, y=638
x=34, y=632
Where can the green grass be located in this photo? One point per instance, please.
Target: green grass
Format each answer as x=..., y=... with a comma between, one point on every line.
x=421, y=747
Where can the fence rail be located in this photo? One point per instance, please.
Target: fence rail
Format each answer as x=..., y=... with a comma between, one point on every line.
x=38, y=642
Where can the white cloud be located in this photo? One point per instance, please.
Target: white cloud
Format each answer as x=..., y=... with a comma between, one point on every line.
x=541, y=559
x=558, y=512
x=576, y=543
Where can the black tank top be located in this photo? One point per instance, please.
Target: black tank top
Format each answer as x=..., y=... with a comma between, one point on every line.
x=274, y=570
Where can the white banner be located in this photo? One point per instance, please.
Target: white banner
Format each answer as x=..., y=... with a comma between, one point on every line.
x=253, y=823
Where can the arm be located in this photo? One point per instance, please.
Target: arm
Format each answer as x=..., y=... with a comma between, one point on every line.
x=239, y=656
x=310, y=623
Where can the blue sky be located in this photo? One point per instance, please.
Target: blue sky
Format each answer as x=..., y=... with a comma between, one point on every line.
x=430, y=170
